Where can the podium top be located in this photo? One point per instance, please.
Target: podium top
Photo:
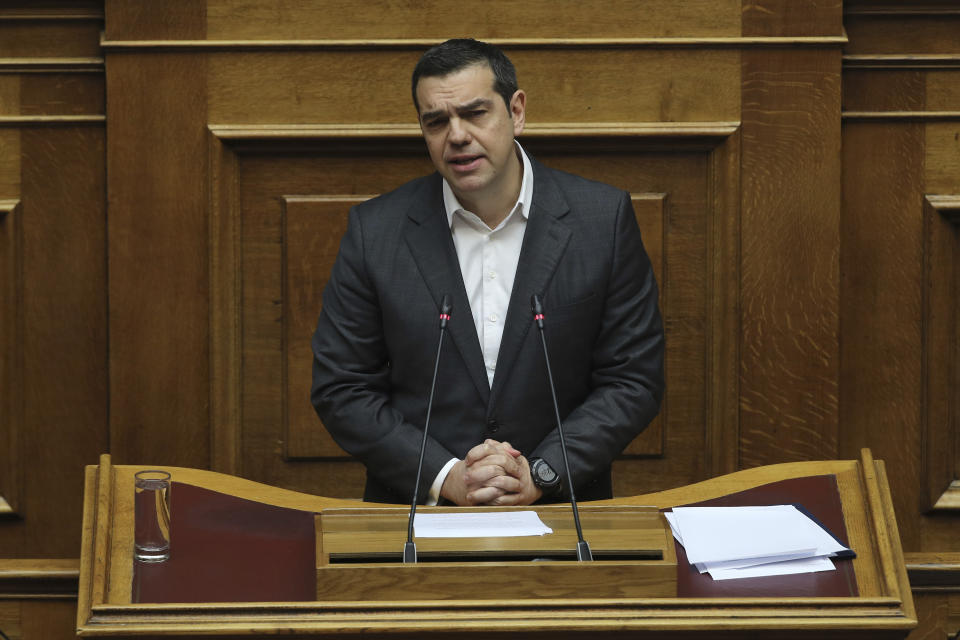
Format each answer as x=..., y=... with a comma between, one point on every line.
x=866, y=597
x=229, y=549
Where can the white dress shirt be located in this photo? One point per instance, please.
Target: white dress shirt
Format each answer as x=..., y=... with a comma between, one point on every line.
x=488, y=263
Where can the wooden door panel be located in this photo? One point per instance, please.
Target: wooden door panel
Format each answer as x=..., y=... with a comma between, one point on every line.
x=292, y=209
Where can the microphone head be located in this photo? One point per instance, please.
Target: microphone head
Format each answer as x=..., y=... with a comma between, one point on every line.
x=445, y=307
x=535, y=305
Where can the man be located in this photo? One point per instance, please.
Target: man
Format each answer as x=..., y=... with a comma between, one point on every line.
x=490, y=228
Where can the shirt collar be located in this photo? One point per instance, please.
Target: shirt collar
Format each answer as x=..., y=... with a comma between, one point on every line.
x=524, y=200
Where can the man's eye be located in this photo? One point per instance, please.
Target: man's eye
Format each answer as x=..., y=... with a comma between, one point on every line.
x=476, y=113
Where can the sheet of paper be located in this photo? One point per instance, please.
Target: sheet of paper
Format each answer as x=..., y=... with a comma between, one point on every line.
x=805, y=565
x=704, y=567
x=723, y=534
x=496, y=524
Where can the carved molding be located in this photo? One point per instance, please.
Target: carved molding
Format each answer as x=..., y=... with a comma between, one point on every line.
x=941, y=354
x=876, y=61
x=720, y=42
x=907, y=116
x=900, y=9
x=28, y=121
x=52, y=65
x=11, y=358
x=720, y=140
x=271, y=135
x=93, y=11
x=39, y=578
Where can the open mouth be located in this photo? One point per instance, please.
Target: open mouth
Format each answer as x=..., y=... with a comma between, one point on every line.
x=465, y=163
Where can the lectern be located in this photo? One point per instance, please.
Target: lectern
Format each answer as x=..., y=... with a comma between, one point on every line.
x=250, y=560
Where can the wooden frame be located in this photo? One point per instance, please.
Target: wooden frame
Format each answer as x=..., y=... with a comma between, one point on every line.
x=941, y=331
x=720, y=141
x=11, y=355
x=884, y=607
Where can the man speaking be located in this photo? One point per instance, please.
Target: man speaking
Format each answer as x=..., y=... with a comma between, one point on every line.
x=490, y=228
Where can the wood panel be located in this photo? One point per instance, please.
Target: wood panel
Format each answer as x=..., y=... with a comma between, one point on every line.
x=159, y=373
x=312, y=228
x=30, y=619
x=774, y=18
x=54, y=276
x=890, y=34
x=935, y=582
x=941, y=330
x=563, y=85
x=64, y=350
x=279, y=232
x=650, y=211
x=881, y=274
x=11, y=355
x=790, y=256
x=342, y=19
x=899, y=275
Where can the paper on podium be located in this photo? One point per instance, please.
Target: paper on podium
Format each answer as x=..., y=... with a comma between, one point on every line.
x=497, y=524
x=772, y=540
x=803, y=565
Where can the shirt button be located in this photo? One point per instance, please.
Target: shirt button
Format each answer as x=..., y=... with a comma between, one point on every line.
x=493, y=317
x=493, y=275
x=492, y=426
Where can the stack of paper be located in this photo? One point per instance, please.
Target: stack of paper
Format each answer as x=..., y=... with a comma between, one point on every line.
x=748, y=542
x=479, y=524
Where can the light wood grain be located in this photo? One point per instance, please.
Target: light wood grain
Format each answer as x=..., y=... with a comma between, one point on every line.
x=920, y=34
x=436, y=20
x=159, y=287
x=567, y=85
x=790, y=252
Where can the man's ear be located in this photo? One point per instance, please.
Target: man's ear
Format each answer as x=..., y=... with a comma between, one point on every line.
x=518, y=111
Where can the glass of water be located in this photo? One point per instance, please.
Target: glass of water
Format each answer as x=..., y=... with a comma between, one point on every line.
x=151, y=540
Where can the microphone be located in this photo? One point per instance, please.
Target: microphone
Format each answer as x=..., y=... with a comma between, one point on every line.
x=583, y=549
x=410, y=548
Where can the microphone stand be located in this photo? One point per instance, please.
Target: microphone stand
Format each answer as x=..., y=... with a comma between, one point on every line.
x=583, y=549
x=410, y=548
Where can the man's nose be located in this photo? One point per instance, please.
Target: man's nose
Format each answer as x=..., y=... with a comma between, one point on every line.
x=458, y=133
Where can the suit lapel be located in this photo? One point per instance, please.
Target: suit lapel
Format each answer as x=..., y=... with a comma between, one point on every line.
x=544, y=242
x=431, y=244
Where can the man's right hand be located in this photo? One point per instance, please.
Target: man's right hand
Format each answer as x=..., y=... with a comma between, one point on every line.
x=490, y=470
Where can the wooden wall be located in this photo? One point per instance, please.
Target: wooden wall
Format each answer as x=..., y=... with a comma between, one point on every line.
x=174, y=179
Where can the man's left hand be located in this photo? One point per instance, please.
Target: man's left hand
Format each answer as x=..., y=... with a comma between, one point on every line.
x=498, y=465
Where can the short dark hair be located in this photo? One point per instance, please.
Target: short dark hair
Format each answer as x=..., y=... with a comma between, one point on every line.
x=460, y=53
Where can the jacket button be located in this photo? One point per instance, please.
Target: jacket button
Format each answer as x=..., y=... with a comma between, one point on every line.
x=492, y=426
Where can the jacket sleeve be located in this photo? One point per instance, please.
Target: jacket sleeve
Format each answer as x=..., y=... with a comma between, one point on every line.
x=351, y=377
x=626, y=378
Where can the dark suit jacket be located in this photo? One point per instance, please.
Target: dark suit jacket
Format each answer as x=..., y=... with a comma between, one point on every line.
x=376, y=339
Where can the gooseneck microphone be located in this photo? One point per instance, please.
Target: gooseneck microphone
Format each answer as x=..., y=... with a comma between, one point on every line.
x=583, y=549
x=410, y=548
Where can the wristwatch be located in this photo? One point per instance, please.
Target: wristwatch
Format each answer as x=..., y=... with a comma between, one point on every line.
x=544, y=477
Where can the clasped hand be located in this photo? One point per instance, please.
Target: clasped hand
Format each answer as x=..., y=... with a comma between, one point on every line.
x=492, y=473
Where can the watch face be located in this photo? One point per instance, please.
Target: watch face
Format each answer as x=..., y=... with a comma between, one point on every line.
x=543, y=473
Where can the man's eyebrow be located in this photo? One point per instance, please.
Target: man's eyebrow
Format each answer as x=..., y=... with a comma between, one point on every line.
x=430, y=115
x=470, y=106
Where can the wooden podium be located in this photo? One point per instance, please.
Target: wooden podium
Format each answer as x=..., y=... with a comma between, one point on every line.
x=250, y=560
